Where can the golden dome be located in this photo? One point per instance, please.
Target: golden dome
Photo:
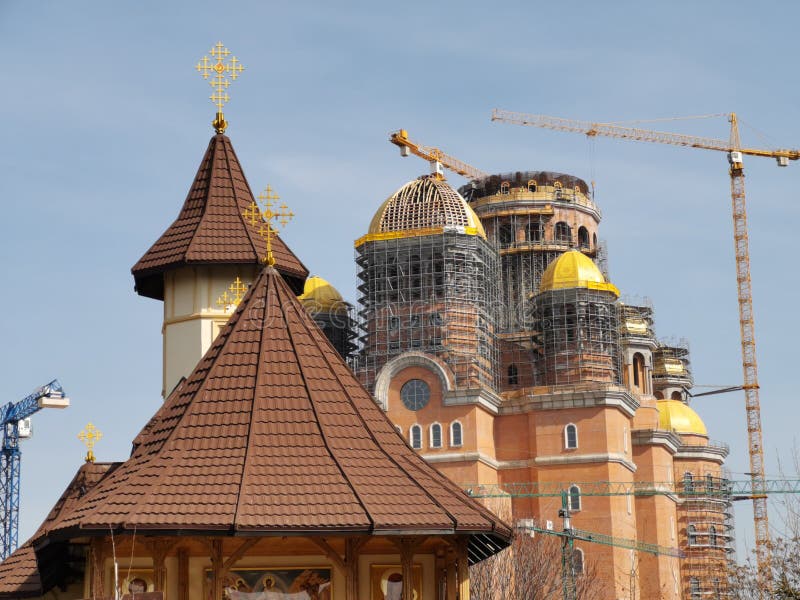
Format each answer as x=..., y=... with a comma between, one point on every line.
x=674, y=415
x=424, y=206
x=320, y=295
x=574, y=269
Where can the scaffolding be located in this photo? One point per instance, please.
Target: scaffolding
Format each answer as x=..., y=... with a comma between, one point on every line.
x=672, y=373
x=577, y=337
x=429, y=293
x=705, y=517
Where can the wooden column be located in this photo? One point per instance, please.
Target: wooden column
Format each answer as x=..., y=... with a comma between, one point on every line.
x=463, y=569
x=99, y=551
x=407, y=563
x=451, y=578
x=215, y=554
x=348, y=565
x=183, y=574
x=159, y=548
x=441, y=569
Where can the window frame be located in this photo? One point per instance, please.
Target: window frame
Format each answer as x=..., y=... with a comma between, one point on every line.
x=574, y=498
x=431, y=438
x=460, y=434
x=566, y=436
x=415, y=428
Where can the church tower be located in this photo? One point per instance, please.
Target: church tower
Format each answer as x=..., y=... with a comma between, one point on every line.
x=208, y=246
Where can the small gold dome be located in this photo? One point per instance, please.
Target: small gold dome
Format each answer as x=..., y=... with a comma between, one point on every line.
x=425, y=204
x=320, y=295
x=674, y=415
x=574, y=269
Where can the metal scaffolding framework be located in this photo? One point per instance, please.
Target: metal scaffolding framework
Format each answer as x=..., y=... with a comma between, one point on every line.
x=430, y=293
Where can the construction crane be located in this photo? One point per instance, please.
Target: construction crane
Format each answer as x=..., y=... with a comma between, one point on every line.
x=569, y=535
x=15, y=420
x=735, y=152
x=733, y=490
x=437, y=159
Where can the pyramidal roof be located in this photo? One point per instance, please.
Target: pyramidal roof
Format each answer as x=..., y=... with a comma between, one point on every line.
x=19, y=573
x=211, y=227
x=273, y=434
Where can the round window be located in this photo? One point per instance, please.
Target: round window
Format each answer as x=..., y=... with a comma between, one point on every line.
x=415, y=394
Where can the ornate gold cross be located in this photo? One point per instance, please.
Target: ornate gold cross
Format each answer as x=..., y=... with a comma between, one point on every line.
x=219, y=81
x=90, y=436
x=238, y=289
x=265, y=216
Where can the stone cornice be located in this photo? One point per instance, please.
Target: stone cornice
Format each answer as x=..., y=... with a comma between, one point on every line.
x=656, y=437
x=555, y=399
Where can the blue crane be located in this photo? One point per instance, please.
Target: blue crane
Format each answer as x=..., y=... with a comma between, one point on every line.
x=13, y=418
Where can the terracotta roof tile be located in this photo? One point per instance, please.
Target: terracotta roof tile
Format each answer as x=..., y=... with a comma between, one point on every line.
x=211, y=227
x=272, y=432
x=19, y=574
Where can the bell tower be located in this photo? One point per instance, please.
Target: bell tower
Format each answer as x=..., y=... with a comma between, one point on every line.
x=210, y=246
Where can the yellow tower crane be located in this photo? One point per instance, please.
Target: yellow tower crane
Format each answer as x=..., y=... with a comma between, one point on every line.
x=437, y=159
x=735, y=153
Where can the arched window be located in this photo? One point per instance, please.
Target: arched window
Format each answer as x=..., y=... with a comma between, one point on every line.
x=574, y=497
x=577, y=561
x=505, y=234
x=691, y=532
x=531, y=186
x=717, y=588
x=415, y=435
x=676, y=395
x=594, y=240
x=583, y=237
x=638, y=371
x=712, y=535
x=513, y=376
x=456, y=434
x=436, y=435
x=688, y=482
x=571, y=436
x=709, y=483
x=535, y=231
x=558, y=190
x=659, y=396
x=505, y=187
x=563, y=233
x=399, y=429
x=694, y=588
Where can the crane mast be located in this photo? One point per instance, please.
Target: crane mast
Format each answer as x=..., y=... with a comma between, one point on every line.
x=750, y=386
x=11, y=414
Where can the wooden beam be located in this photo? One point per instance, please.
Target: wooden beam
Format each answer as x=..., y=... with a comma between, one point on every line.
x=238, y=554
x=328, y=550
x=463, y=569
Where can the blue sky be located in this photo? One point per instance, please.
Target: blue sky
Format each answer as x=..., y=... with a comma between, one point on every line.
x=105, y=122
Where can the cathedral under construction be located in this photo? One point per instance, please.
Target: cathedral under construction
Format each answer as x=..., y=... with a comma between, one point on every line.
x=492, y=337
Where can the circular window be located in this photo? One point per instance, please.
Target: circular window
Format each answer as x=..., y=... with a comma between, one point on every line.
x=415, y=394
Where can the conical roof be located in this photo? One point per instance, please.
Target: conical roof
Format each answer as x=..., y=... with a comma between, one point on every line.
x=273, y=434
x=211, y=227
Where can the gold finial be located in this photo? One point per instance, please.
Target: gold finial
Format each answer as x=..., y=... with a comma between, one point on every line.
x=219, y=81
x=266, y=216
x=230, y=301
x=90, y=436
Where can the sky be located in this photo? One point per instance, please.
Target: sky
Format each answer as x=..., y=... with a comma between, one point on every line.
x=106, y=121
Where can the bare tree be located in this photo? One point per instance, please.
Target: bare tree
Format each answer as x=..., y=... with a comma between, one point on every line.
x=530, y=569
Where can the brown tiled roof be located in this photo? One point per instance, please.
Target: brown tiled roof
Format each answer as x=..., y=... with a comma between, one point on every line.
x=19, y=574
x=211, y=227
x=270, y=434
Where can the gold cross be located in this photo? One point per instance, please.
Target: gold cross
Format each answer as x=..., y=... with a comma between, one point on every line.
x=230, y=301
x=219, y=82
x=90, y=436
x=238, y=289
x=265, y=217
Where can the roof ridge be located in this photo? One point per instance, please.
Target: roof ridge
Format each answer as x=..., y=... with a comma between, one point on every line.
x=211, y=150
x=235, y=196
x=313, y=406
